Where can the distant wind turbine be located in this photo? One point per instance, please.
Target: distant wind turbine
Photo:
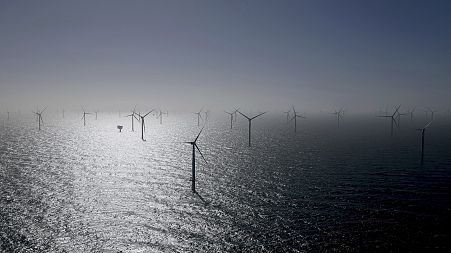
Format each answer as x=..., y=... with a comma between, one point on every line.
x=84, y=116
x=199, y=116
x=339, y=114
x=432, y=112
x=160, y=115
x=143, y=124
x=393, y=119
x=193, y=170
x=410, y=112
x=288, y=115
x=250, y=122
x=423, y=130
x=133, y=117
x=39, y=117
x=231, y=118
x=295, y=116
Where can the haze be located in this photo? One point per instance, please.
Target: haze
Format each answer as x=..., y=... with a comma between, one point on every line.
x=316, y=55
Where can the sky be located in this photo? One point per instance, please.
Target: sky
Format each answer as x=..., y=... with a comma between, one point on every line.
x=268, y=55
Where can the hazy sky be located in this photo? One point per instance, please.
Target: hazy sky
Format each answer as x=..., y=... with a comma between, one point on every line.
x=265, y=54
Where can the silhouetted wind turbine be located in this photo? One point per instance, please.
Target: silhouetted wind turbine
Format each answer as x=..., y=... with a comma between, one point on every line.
x=199, y=116
x=339, y=114
x=393, y=119
x=250, y=122
x=39, y=117
x=143, y=124
x=423, y=130
x=84, y=116
x=410, y=112
x=160, y=115
x=288, y=115
x=133, y=117
x=231, y=118
x=432, y=113
x=295, y=116
x=193, y=170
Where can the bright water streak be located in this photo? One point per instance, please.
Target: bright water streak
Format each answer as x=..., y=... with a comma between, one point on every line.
x=80, y=189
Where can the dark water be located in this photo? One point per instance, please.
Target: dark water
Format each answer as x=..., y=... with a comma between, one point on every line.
x=70, y=188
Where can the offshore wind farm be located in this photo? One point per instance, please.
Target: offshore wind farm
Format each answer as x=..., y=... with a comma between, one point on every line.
x=226, y=126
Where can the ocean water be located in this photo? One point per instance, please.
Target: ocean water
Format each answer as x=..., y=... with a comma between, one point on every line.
x=70, y=188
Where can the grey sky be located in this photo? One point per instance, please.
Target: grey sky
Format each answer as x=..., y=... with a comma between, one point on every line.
x=313, y=54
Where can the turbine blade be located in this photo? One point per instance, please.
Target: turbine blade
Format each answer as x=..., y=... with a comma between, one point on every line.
x=199, y=134
x=258, y=115
x=244, y=115
x=148, y=113
x=200, y=153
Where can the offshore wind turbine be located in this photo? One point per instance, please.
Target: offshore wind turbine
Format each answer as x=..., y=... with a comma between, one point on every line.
x=432, y=112
x=143, y=123
x=410, y=112
x=393, y=119
x=339, y=114
x=295, y=116
x=84, y=116
x=250, y=123
x=193, y=168
x=199, y=116
x=423, y=130
x=231, y=118
x=133, y=117
x=39, y=117
x=160, y=115
x=288, y=115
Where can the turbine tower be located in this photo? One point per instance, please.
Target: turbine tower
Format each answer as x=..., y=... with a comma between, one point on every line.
x=193, y=169
x=250, y=122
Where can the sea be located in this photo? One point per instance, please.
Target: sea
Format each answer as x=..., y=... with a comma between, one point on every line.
x=353, y=187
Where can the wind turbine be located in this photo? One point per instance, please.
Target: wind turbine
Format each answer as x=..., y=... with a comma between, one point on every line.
x=250, y=122
x=393, y=119
x=288, y=115
x=423, y=130
x=84, y=116
x=295, y=116
x=133, y=115
x=199, y=116
x=193, y=169
x=39, y=117
x=432, y=112
x=339, y=114
x=410, y=112
x=231, y=118
x=143, y=124
x=160, y=115
x=96, y=111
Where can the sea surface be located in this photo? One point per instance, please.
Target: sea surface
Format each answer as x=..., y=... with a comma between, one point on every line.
x=356, y=188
